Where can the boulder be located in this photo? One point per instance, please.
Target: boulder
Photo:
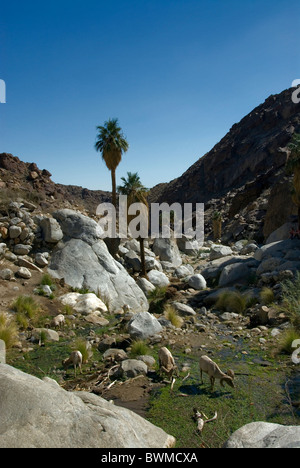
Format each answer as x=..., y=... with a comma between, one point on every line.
x=50, y=335
x=131, y=368
x=197, y=282
x=132, y=261
x=235, y=273
x=14, y=232
x=41, y=260
x=83, y=260
x=89, y=303
x=21, y=249
x=282, y=233
x=184, y=271
x=95, y=319
x=219, y=251
x=265, y=435
x=51, y=230
x=189, y=245
x=158, y=279
x=143, y=325
x=3, y=249
x=183, y=309
x=167, y=250
x=23, y=273
x=145, y=286
x=40, y=414
x=277, y=249
x=6, y=274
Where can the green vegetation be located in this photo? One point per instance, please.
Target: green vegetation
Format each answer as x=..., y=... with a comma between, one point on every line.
x=27, y=310
x=286, y=340
x=253, y=399
x=138, y=348
x=111, y=143
x=136, y=192
x=291, y=300
x=157, y=299
x=47, y=281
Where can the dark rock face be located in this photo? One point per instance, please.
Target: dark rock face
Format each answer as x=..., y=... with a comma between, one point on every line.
x=247, y=164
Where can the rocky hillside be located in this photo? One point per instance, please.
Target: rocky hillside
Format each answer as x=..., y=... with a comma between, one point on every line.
x=36, y=186
x=243, y=176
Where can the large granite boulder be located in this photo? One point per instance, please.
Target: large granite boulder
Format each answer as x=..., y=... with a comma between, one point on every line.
x=167, y=250
x=265, y=435
x=40, y=414
x=143, y=325
x=83, y=260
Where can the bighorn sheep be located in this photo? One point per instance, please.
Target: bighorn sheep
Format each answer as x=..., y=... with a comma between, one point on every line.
x=212, y=369
x=75, y=360
x=58, y=321
x=167, y=363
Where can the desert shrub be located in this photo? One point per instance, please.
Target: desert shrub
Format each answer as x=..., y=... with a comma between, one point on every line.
x=291, y=300
x=267, y=296
x=286, y=340
x=47, y=280
x=171, y=314
x=8, y=331
x=26, y=308
x=138, y=348
x=233, y=301
x=68, y=310
x=157, y=299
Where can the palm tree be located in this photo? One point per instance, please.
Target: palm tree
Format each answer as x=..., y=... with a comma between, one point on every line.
x=112, y=144
x=136, y=192
x=293, y=166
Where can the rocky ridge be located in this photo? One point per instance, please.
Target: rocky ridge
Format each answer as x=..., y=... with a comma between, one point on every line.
x=243, y=176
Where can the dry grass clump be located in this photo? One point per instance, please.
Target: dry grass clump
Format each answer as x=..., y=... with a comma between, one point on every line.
x=138, y=348
x=233, y=301
x=173, y=317
x=27, y=310
x=8, y=331
x=291, y=301
x=267, y=296
x=287, y=339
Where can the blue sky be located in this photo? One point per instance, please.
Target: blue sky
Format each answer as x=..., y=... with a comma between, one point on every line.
x=177, y=75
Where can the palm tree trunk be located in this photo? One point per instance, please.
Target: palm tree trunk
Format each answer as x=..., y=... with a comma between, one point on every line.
x=143, y=262
x=114, y=188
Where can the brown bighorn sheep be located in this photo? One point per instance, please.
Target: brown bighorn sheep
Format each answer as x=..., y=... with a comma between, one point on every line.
x=75, y=360
x=212, y=369
x=58, y=321
x=167, y=363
